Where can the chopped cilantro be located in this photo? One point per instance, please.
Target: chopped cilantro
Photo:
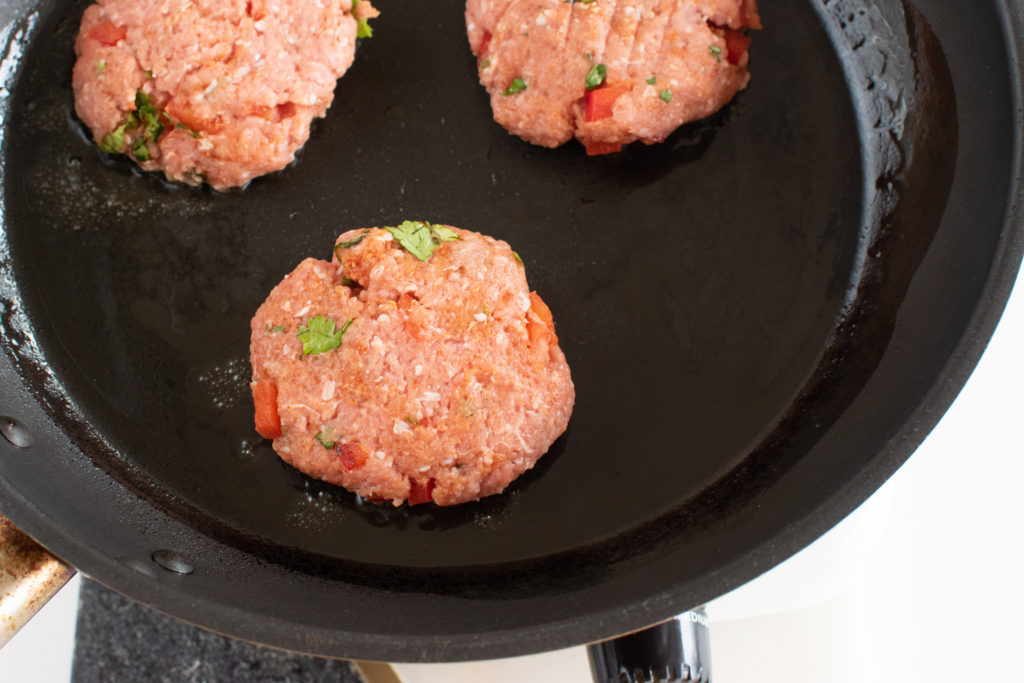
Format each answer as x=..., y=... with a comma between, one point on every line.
x=275, y=328
x=652, y=80
x=352, y=243
x=113, y=142
x=484, y=64
x=101, y=65
x=415, y=237
x=413, y=422
x=140, y=150
x=145, y=123
x=665, y=94
x=326, y=444
x=148, y=73
x=349, y=282
x=518, y=258
x=179, y=124
x=444, y=233
x=595, y=76
x=421, y=239
x=716, y=52
x=517, y=85
x=318, y=335
x=363, y=29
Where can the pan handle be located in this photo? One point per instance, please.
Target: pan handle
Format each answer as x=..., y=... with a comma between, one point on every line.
x=675, y=650
x=29, y=576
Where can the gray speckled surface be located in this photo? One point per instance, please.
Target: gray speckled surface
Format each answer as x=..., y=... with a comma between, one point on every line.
x=119, y=640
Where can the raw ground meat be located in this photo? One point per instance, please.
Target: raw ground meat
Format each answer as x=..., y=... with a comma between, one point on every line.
x=448, y=382
x=231, y=85
x=652, y=65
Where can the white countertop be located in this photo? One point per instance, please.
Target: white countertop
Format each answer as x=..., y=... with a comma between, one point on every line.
x=924, y=582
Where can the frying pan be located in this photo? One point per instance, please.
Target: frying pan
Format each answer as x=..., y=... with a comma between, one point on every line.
x=764, y=316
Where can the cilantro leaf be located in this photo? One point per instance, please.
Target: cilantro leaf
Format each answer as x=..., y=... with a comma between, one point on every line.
x=416, y=238
x=352, y=243
x=275, y=328
x=421, y=239
x=363, y=29
x=326, y=444
x=716, y=52
x=139, y=149
x=179, y=124
x=517, y=85
x=444, y=233
x=652, y=80
x=595, y=76
x=318, y=335
x=349, y=282
x=113, y=142
x=666, y=95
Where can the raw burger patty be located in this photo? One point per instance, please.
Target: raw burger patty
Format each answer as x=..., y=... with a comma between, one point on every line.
x=652, y=65
x=231, y=86
x=448, y=382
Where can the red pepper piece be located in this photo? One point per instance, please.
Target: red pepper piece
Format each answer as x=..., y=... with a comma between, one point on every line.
x=599, y=101
x=421, y=493
x=352, y=454
x=736, y=45
x=107, y=33
x=485, y=42
x=264, y=397
x=597, y=148
x=539, y=323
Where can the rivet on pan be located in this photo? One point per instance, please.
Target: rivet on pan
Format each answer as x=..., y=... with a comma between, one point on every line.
x=15, y=432
x=140, y=567
x=172, y=561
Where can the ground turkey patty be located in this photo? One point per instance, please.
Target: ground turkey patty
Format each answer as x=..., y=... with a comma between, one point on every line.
x=608, y=71
x=214, y=90
x=447, y=384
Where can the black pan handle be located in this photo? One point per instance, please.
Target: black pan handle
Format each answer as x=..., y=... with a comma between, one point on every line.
x=675, y=650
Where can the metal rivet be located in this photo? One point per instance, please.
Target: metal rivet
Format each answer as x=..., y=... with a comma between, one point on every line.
x=172, y=561
x=15, y=432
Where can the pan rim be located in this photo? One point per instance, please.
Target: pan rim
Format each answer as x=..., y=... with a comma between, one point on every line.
x=930, y=409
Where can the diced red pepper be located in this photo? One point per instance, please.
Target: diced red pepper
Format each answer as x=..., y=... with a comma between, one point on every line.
x=599, y=101
x=540, y=324
x=421, y=493
x=595, y=148
x=107, y=33
x=264, y=397
x=485, y=42
x=736, y=44
x=352, y=454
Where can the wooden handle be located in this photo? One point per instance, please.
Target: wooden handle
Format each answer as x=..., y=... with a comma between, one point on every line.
x=29, y=576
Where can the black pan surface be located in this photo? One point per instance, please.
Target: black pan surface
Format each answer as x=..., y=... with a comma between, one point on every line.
x=764, y=316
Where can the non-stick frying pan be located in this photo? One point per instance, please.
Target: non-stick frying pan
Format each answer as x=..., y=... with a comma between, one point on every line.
x=764, y=316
